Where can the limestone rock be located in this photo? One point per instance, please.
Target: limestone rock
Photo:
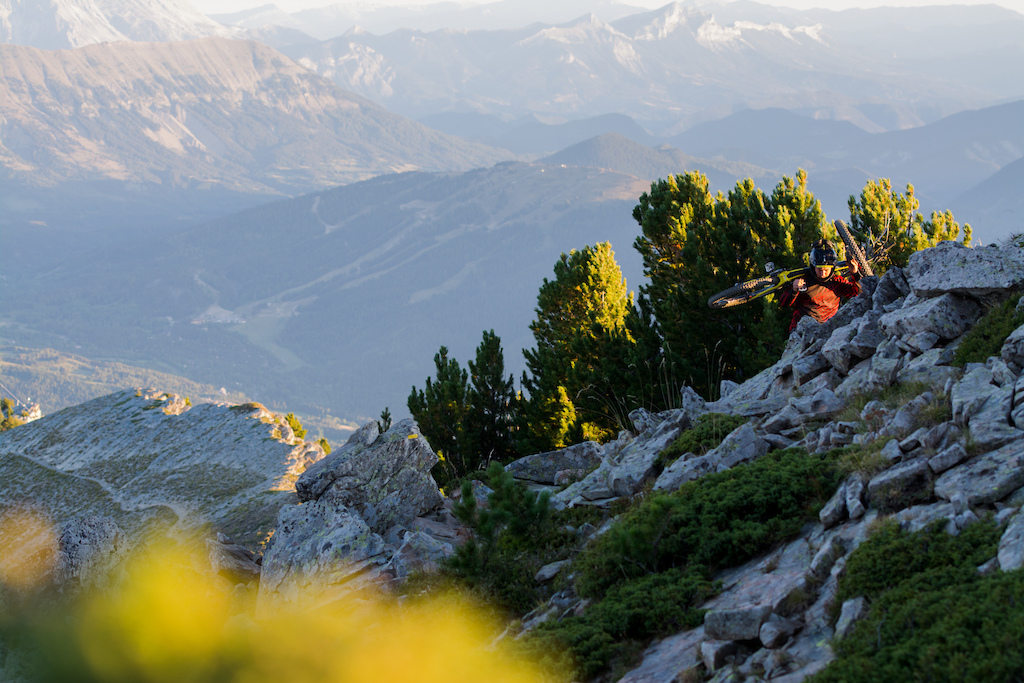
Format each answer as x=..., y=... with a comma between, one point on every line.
x=549, y=571
x=667, y=659
x=691, y=403
x=542, y=468
x=980, y=273
x=834, y=510
x=315, y=480
x=135, y=454
x=1011, y=545
x=321, y=552
x=949, y=457
x=715, y=653
x=869, y=335
x=776, y=631
x=742, y=445
x=742, y=623
x=837, y=349
x=855, y=489
x=387, y=481
x=686, y=469
x=947, y=316
x=918, y=517
x=971, y=393
x=891, y=287
x=853, y=611
x=985, y=478
x=92, y=553
x=1013, y=347
x=822, y=404
x=419, y=552
x=897, y=486
x=643, y=420
x=232, y=561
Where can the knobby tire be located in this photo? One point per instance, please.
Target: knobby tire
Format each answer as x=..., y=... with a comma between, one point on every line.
x=853, y=250
x=743, y=292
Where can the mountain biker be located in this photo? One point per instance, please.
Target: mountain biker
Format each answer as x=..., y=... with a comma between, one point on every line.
x=820, y=298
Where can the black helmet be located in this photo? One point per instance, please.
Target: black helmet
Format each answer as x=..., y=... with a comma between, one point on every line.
x=822, y=254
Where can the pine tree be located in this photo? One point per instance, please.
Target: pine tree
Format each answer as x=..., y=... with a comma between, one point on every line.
x=587, y=299
x=695, y=244
x=889, y=223
x=440, y=410
x=492, y=406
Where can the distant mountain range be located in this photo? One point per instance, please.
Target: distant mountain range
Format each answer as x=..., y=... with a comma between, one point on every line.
x=213, y=111
x=58, y=24
x=144, y=184
x=693, y=61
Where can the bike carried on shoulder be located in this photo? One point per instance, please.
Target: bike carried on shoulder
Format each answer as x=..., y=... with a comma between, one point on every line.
x=775, y=280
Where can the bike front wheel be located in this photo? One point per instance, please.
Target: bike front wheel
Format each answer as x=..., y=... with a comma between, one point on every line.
x=744, y=292
x=853, y=250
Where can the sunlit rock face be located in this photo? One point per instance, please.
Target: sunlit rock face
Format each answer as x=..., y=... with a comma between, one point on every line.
x=142, y=457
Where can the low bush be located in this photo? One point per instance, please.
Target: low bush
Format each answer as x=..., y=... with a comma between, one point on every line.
x=616, y=629
x=650, y=573
x=986, y=338
x=513, y=537
x=720, y=520
x=933, y=617
x=710, y=430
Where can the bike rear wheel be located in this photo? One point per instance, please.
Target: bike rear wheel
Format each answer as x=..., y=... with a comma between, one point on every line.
x=744, y=292
x=853, y=250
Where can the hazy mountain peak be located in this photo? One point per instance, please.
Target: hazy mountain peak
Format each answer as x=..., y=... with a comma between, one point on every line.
x=583, y=30
x=669, y=19
x=58, y=24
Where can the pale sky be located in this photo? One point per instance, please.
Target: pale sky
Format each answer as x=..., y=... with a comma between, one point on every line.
x=222, y=6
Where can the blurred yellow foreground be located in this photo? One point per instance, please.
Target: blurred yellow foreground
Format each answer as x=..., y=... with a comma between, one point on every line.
x=170, y=621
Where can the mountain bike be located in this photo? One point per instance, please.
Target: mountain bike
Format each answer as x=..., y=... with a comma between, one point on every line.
x=776, y=279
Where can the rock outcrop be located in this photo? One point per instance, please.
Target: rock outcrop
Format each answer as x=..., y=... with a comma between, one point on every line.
x=141, y=457
x=368, y=513
x=953, y=453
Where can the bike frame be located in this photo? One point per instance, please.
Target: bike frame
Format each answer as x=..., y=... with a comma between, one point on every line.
x=787, y=276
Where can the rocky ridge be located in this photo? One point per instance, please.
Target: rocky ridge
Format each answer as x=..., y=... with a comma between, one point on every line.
x=140, y=457
x=902, y=329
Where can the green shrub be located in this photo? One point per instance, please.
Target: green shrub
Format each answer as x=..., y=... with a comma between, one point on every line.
x=933, y=617
x=986, y=338
x=720, y=520
x=892, y=554
x=512, y=539
x=710, y=430
x=631, y=614
x=293, y=422
x=324, y=444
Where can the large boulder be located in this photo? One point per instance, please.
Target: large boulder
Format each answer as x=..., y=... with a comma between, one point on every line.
x=947, y=316
x=92, y=553
x=386, y=481
x=986, y=478
x=321, y=552
x=980, y=273
x=542, y=468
